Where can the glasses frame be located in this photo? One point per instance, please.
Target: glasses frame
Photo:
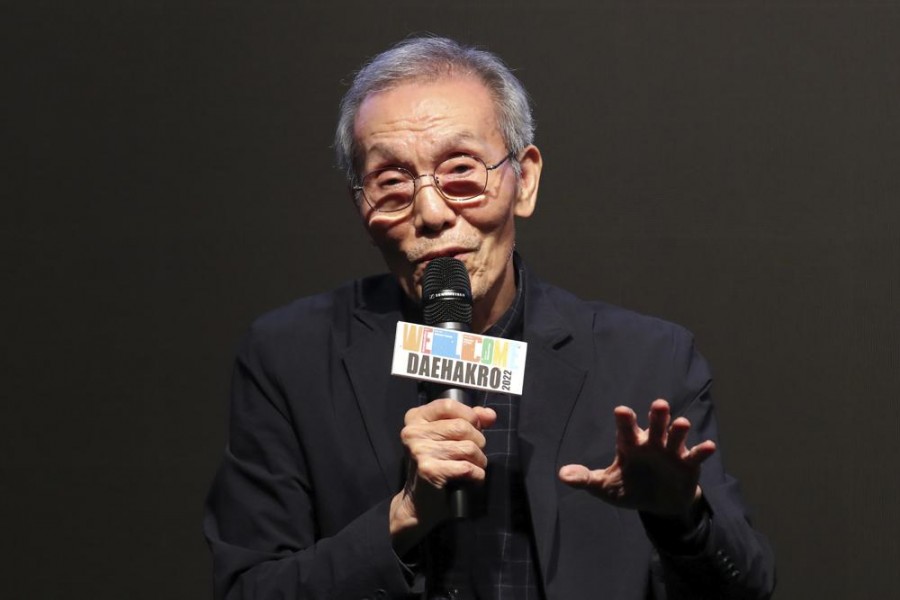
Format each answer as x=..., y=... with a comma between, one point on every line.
x=358, y=190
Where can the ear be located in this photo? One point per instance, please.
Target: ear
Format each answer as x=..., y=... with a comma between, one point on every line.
x=526, y=198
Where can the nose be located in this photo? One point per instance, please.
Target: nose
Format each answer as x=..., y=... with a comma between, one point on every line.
x=430, y=209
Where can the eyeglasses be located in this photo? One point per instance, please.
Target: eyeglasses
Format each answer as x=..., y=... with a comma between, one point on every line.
x=458, y=179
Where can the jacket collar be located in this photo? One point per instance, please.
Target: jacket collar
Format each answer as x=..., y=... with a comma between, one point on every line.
x=382, y=398
x=560, y=350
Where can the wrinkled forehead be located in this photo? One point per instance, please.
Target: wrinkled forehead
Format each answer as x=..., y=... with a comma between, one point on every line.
x=434, y=111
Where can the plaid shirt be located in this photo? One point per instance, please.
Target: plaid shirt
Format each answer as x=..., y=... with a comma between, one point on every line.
x=491, y=555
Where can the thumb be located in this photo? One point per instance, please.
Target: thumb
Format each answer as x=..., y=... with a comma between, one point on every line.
x=486, y=416
x=577, y=476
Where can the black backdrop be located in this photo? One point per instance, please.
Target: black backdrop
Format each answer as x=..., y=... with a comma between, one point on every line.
x=167, y=176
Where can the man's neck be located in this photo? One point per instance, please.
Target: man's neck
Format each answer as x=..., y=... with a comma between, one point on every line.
x=489, y=308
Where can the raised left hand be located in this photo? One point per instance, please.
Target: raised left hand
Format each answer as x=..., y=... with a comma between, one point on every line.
x=653, y=471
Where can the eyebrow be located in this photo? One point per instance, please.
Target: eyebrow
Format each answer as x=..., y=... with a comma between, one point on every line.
x=457, y=140
x=387, y=154
x=383, y=151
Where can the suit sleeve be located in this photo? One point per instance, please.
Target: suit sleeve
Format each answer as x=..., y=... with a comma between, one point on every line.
x=734, y=560
x=260, y=519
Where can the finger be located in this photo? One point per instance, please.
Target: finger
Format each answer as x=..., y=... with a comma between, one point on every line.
x=438, y=431
x=700, y=452
x=454, y=429
x=486, y=416
x=659, y=422
x=464, y=450
x=677, y=434
x=438, y=472
x=442, y=408
x=627, y=430
x=579, y=476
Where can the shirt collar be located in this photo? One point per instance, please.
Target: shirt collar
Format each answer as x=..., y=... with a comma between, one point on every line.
x=509, y=325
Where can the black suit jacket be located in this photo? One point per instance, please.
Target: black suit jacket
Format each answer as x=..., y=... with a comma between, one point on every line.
x=299, y=507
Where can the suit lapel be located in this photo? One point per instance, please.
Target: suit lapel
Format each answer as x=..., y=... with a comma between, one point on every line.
x=382, y=398
x=556, y=369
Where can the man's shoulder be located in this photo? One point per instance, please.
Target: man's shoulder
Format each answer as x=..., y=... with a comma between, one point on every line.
x=608, y=319
x=323, y=312
x=626, y=343
x=621, y=339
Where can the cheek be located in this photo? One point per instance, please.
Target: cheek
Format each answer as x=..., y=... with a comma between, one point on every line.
x=386, y=235
x=389, y=239
x=492, y=222
x=496, y=214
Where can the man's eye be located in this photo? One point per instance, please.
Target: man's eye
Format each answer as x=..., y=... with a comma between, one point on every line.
x=458, y=167
x=389, y=179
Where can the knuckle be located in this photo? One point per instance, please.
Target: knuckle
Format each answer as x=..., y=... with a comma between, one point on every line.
x=449, y=430
x=477, y=460
x=416, y=448
x=475, y=472
x=462, y=450
x=461, y=429
x=462, y=468
x=470, y=448
x=446, y=405
x=410, y=433
x=426, y=468
x=411, y=415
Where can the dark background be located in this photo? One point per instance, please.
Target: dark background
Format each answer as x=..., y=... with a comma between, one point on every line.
x=167, y=176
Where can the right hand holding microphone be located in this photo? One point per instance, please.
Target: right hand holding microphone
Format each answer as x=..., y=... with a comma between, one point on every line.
x=444, y=442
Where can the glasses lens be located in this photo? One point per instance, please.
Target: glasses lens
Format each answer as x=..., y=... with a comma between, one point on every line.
x=388, y=190
x=462, y=177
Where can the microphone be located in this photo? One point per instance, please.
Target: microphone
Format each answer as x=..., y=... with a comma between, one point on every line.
x=447, y=304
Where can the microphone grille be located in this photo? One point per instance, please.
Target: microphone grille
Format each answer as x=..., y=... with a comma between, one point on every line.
x=446, y=292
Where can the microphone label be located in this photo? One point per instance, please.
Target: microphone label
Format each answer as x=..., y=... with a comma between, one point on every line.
x=459, y=359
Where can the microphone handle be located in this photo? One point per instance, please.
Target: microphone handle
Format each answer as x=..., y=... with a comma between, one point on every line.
x=457, y=494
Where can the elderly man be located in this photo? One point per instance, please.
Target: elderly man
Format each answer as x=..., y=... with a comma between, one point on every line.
x=333, y=482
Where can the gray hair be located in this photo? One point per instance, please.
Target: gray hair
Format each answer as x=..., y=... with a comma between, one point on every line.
x=428, y=59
